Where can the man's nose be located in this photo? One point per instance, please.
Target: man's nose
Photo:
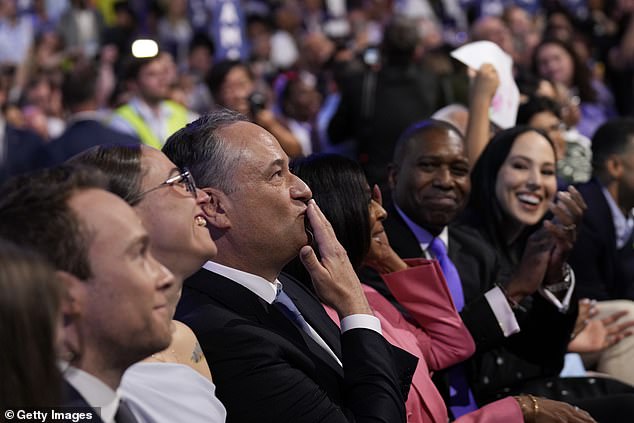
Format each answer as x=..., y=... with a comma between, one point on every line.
x=299, y=190
x=442, y=177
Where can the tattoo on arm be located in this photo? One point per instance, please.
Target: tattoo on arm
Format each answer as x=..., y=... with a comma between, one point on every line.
x=197, y=354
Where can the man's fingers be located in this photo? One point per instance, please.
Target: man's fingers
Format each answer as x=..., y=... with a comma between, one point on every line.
x=309, y=260
x=322, y=229
x=315, y=214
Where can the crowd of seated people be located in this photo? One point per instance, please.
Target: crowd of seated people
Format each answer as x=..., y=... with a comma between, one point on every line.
x=206, y=235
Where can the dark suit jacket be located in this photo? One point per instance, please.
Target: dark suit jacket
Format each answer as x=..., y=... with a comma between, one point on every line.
x=73, y=399
x=79, y=136
x=499, y=363
x=20, y=147
x=268, y=370
x=602, y=272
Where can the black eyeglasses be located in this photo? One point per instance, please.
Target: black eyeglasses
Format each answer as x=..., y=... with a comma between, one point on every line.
x=184, y=177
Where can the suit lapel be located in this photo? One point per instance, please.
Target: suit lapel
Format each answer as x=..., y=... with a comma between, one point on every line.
x=464, y=243
x=600, y=212
x=244, y=302
x=72, y=398
x=402, y=240
x=314, y=313
x=231, y=295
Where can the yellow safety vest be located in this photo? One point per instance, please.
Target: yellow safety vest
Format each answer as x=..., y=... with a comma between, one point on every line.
x=177, y=119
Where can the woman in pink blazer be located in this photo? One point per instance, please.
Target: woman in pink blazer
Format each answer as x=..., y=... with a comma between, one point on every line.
x=437, y=337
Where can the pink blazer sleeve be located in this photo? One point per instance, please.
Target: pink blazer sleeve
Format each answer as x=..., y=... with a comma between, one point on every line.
x=422, y=290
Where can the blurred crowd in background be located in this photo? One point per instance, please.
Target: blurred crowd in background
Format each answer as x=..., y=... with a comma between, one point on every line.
x=301, y=68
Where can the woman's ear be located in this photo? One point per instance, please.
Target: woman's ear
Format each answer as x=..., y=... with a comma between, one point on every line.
x=216, y=208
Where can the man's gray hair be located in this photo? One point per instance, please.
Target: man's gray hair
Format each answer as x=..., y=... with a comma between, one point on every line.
x=200, y=148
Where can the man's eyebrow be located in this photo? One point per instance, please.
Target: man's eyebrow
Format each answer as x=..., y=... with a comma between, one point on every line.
x=438, y=157
x=142, y=240
x=277, y=162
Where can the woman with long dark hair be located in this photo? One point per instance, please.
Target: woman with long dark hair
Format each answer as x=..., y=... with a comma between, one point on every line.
x=513, y=187
x=514, y=200
x=558, y=62
x=30, y=319
x=439, y=338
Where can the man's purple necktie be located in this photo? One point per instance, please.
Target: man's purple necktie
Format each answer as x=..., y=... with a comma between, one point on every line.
x=461, y=398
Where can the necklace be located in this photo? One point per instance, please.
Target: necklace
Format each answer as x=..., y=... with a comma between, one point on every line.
x=165, y=356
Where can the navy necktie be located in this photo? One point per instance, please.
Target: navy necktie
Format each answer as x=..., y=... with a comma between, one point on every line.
x=285, y=304
x=461, y=399
x=288, y=308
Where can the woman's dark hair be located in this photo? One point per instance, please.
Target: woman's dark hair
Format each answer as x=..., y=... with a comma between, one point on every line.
x=483, y=208
x=527, y=82
x=30, y=298
x=219, y=73
x=341, y=190
x=535, y=105
x=122, y=166
x=581, y=76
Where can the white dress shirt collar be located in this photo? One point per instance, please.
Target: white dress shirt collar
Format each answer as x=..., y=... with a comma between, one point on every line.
x=422, y=235
x=444, y=237
x=254, y=283
x=268, y=292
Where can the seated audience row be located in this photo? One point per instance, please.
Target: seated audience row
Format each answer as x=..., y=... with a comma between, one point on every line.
x=273, y=351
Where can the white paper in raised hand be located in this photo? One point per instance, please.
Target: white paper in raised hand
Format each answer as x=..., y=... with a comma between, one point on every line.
x=503, y=110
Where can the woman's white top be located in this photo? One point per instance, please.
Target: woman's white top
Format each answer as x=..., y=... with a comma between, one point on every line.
x=170, y=392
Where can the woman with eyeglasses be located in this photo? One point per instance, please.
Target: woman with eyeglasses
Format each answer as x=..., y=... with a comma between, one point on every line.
x=175, y=384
